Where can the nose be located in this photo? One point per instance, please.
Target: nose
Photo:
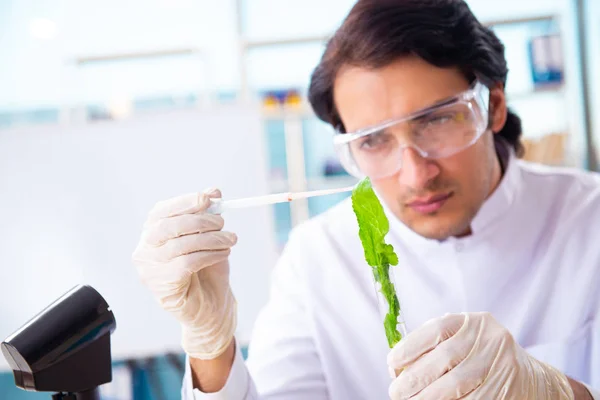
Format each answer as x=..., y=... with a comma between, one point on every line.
x=416, y=171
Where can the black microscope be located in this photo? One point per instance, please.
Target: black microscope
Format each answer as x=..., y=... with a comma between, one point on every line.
x=65, y=348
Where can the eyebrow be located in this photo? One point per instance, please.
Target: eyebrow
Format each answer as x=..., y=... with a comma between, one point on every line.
x=427, y=110
x=419, y=114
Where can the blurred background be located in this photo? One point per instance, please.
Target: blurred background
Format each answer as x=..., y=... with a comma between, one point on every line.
x=108, y=107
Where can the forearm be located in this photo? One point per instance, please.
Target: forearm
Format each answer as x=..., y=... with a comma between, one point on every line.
x=579, y=390
x=210, y=376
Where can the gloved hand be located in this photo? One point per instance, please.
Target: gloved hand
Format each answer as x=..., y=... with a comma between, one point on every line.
x=182, y=257
x=470, y=356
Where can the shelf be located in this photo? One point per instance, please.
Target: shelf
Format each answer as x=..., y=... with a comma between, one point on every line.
x=161, y=53
x=247, y=44
x=516, y=21
x=302, y=110
x=253, y=43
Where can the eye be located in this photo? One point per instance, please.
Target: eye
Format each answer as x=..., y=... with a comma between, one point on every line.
x=436, y=120
x=374, y=141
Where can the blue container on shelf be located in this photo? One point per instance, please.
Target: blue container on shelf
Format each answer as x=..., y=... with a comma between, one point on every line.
x=546, y=60
x=333, y=167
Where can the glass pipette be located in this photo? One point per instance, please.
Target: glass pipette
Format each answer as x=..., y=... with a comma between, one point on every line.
x=218, y=206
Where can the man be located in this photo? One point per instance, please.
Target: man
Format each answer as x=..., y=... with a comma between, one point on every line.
x=499, y=270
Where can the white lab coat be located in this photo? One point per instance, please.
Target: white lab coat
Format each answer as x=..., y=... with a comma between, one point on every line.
x=533, y=261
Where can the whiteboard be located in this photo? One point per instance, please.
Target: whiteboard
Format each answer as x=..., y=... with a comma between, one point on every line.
x=74, y=199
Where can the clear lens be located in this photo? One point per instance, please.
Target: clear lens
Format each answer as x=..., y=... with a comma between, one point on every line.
x=445, y=130
x=437, y=133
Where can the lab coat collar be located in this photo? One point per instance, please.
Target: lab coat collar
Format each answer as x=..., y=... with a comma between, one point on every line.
x=492, y=211
x=497, y=205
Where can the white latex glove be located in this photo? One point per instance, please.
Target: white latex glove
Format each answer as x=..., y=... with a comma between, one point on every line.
x=182, y=257
x=470, y=356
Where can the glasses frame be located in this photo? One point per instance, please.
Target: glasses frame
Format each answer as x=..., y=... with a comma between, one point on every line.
x=478, y=92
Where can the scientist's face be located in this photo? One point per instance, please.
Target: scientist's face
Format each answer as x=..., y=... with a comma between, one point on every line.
x=436, y=198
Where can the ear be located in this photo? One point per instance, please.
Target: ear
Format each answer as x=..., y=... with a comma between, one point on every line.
x=498, y=109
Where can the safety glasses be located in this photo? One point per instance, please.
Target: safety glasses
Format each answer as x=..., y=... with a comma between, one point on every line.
x=435, y=132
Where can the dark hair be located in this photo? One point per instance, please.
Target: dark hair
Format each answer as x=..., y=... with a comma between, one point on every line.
x=445, y=33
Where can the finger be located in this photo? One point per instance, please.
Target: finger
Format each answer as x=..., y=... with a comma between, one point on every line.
x=170, y=228
x=465, y=378
x=187, y=204
x=159, y=274
x=194, y=262
x=432, y=365
x=193, y=243
x=424, y=340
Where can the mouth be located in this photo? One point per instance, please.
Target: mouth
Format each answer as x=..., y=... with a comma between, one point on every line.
x=430, y=204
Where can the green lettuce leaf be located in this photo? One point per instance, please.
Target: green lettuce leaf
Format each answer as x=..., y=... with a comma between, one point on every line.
x=373, y=227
